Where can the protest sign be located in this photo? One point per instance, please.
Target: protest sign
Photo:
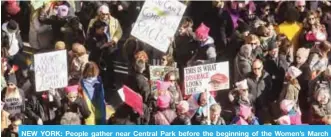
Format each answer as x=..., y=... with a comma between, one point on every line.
x=131, y=98
x=211, y=77
x=51, y=70
x=157, y=22
x=158, y=73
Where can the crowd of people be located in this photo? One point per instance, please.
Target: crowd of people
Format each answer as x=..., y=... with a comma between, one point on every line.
x=278, y=54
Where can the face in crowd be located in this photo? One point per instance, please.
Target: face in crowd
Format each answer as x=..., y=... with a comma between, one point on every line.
x=257, y=68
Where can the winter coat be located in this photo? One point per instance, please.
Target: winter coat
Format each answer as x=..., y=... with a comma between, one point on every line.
x=164, y=117
x=93, y=44
x=8, y=133
x=77, y=66
x=115, y=30
x=206, y=53
x=184, y=48
x=139, y=83
x=290, y=92
x=181, y=120
x=242, y=67
x=79, y=106
x=11, y=41
x=73, y=35
x=276, y=69
x=40, y=34
x=40, y=107
x=320, y=111
x=260, y=89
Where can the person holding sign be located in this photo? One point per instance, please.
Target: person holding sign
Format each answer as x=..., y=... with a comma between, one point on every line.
x=206, y=52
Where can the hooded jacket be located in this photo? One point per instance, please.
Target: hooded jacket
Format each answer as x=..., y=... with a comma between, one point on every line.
x=206, y=52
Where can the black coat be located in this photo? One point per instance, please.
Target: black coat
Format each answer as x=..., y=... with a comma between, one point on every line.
x=37, y=107
x=277, y=70
x=139, y=83
x=260, y=89
x=79, y=106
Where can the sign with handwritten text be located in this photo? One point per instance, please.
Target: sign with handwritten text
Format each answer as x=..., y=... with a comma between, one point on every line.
x=157, y=22
x=211, y=77
x=51, y=70
x=159, y=73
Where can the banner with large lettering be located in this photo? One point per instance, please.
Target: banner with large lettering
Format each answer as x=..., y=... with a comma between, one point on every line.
x=210, y=77
x=51, y=70
x=157, y=22
x=158, y=73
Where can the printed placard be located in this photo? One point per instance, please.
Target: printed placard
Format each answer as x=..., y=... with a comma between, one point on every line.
x=158, y=22
x=51, y=70
x=210, y=77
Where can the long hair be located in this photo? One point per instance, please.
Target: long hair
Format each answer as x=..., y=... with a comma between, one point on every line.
x=317, y=24
x=91, y=70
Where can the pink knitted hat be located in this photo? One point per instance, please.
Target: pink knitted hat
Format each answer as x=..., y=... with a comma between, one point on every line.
x=162, y=86
x=163, y=101
x=71, y=89
x=12, y=7
x=245, y=111
x=202, y=31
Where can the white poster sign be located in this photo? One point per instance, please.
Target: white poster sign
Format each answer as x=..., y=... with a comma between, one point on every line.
x=210, y=77
x=51, y=70
x=157, y=22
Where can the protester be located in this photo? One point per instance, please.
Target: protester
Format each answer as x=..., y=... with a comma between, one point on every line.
x=206, y=52
x=313, y=31
x=114, y=30
x=13, y=97
x=74, y=103
x=164, y=115
x=243, y=63
x=266, y=44
x=245, y=116
x=70, y=118
x=290, y=27
x=321, y=108
x=260, y=88
x=12, y=130
x=93, y=94
x=78, y=62
x=182, y=110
